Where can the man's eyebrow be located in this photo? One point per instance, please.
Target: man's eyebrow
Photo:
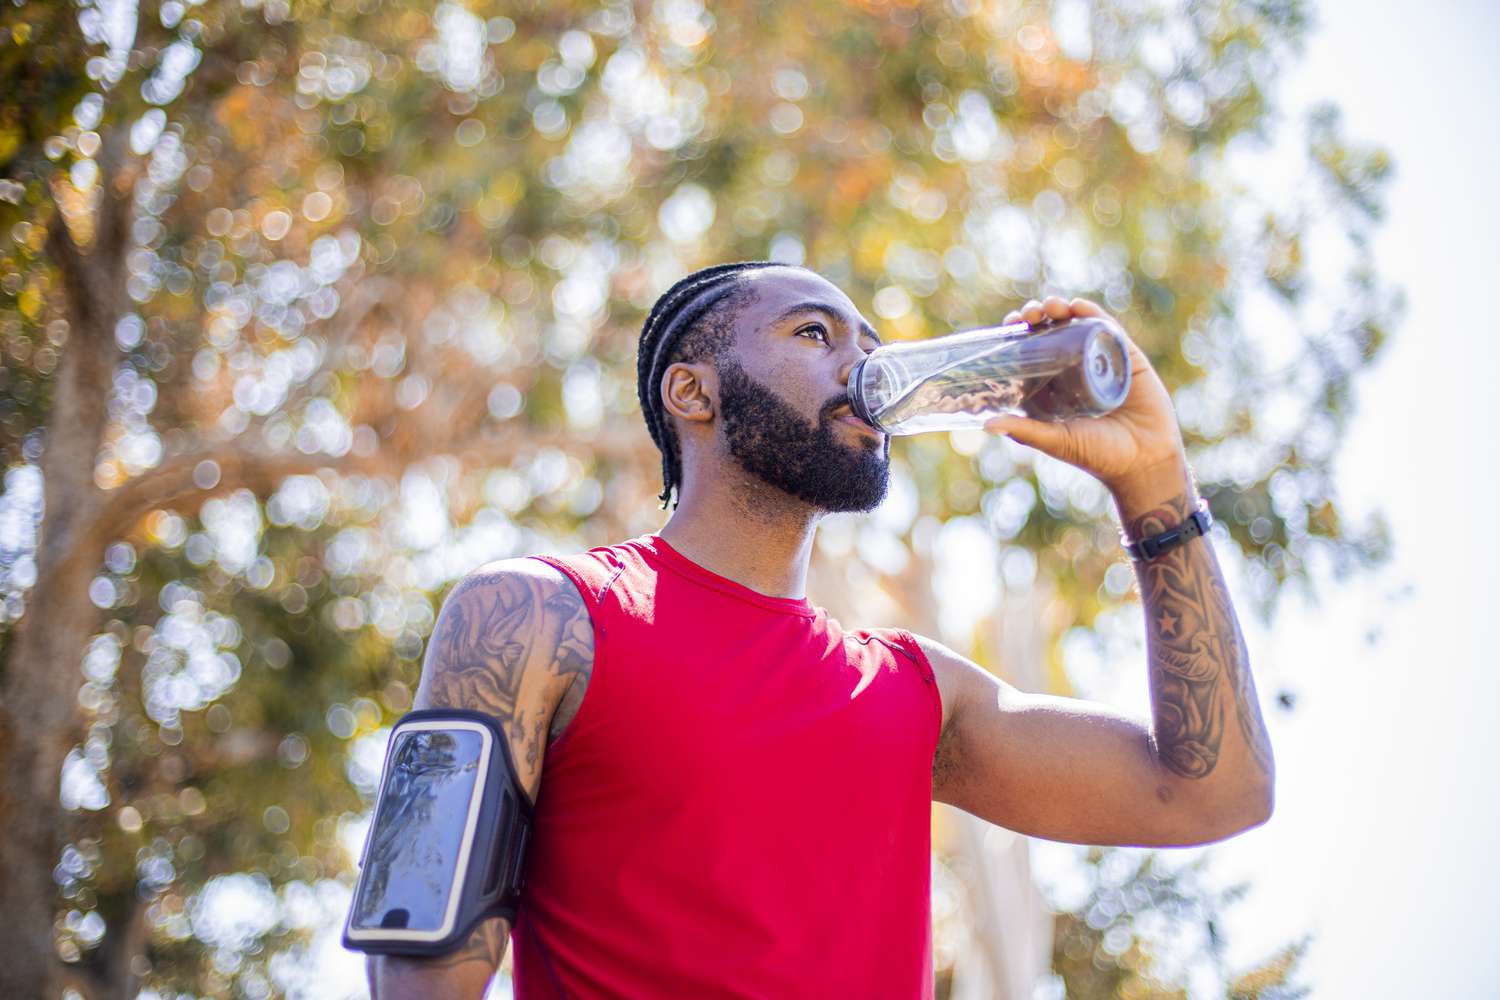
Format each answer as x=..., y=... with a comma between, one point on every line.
x=818, y=307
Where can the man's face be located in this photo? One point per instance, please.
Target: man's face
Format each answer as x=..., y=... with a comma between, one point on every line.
x=803, y=335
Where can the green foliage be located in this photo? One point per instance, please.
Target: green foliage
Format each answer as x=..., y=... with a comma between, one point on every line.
x=224, y=708
x=1139, y=915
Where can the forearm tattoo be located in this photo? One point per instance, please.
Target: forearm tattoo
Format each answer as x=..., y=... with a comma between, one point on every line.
x=1200, y=666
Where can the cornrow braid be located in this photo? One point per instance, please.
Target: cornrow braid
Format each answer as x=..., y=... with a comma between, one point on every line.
x=682, y=308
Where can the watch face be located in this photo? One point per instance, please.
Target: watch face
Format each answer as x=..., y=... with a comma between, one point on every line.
x=423, y=832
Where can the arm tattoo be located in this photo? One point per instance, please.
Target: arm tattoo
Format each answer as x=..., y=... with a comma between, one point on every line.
x=393, y=976
x=486, y=945
x=508, y=644
x=1200, y=666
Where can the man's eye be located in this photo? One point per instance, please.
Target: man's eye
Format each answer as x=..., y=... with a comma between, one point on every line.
x=815, y=328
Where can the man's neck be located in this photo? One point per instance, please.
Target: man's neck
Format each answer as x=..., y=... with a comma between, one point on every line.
x=746, y=536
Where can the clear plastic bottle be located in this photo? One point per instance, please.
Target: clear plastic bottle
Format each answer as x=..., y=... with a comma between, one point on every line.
x=1077, y=368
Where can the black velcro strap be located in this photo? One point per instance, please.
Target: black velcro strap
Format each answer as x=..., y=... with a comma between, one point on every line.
x=1197, y=524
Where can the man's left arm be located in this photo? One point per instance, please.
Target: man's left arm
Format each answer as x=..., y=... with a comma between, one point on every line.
x=1067, y=769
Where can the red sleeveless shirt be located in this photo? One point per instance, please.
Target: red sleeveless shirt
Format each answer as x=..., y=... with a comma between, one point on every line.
x=742, y=805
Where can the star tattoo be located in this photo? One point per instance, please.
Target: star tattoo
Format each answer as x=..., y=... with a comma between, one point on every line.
x=1168, y=623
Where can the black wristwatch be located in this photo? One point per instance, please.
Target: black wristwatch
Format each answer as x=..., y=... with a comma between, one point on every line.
x=1196, y=524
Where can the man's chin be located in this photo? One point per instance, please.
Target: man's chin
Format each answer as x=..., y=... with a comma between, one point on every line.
x=860, y=501
x=835, y=494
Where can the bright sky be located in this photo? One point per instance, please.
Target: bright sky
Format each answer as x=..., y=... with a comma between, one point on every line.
x=1383, y=841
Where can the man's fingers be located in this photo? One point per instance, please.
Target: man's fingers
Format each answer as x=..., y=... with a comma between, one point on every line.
x=1048, y=437
x=1083, y=307
x=1049, y=310
x=1053, y=309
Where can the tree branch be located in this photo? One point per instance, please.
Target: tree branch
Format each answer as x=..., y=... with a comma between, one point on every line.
x=171, y=487
x=62, y=248
x=118, y=170
x=368, y=294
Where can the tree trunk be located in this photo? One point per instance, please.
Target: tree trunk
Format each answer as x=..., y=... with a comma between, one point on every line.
x=38, y=695
x=1009, y=926
x=1011, y=922
x=41, y=686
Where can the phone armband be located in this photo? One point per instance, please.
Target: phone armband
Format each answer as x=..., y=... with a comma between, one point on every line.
x=447, y=843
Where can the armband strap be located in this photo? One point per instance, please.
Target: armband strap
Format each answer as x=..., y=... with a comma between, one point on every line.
x=1196, y=524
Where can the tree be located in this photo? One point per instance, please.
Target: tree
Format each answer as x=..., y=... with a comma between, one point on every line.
x=279, y=275
x=1108, y=946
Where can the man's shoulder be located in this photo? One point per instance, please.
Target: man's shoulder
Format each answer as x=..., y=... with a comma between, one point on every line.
x=562, y=565
x=570, y=577
x=502, y=619
x=506, y=574
x=554, y=566
x=928, y=654
x=902, y=643
x=903, y=639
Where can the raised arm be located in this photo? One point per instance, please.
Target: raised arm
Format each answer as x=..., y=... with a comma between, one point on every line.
x=514, y=641
x=1076, y=771
x=1069, y=770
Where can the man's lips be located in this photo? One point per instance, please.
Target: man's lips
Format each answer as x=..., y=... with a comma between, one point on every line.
x=848, y=417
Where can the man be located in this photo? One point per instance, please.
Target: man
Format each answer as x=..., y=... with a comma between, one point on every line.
x=732, y=791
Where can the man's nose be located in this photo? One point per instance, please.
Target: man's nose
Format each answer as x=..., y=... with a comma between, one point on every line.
x=855, y=355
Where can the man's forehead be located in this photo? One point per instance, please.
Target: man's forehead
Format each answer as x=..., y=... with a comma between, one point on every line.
x=778, y=287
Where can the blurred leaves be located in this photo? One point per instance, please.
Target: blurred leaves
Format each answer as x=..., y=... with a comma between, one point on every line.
x=382, y=276
x=1144, y=927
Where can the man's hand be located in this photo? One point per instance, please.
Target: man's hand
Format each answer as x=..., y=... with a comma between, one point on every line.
x=1137, y=437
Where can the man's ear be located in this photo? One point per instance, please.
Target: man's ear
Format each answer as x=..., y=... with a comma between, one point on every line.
x=689, y=390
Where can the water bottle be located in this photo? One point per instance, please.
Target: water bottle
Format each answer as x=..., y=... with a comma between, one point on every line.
x=1054, y=372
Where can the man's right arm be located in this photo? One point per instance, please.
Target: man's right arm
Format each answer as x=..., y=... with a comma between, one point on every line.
x=513, y=638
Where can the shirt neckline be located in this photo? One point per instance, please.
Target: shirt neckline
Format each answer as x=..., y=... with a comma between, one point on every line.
x=683, y=566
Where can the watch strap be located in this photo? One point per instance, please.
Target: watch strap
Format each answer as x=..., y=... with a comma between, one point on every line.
x=1196, y=524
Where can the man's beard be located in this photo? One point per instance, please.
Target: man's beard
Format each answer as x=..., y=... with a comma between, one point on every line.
x=808, y=461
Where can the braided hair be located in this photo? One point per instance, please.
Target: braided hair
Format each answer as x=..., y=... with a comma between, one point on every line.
x=686, y=324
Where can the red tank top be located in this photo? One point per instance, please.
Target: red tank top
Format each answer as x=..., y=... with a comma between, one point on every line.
x=742, y=805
